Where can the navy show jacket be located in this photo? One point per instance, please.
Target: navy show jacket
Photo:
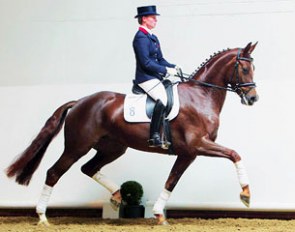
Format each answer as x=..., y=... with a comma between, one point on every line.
x=150, y=63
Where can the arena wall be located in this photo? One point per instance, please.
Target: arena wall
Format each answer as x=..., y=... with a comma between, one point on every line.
x=56, y=51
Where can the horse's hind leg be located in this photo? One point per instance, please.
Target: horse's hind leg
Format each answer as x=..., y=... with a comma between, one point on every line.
x=53, y=175
x=107, y=152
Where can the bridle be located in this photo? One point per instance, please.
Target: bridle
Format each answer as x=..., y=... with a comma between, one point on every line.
x=237, y=87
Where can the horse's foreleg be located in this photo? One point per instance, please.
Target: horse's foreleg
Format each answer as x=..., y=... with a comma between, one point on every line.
x=244, y=182
x=209, y=148
x=180, y=165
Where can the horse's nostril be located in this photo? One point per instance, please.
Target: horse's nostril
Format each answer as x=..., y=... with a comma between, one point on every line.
x=255, y=98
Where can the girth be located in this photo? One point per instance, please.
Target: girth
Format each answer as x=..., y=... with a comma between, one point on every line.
x=150, y=102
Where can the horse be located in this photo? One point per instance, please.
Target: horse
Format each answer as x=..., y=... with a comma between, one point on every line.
x=96, y=121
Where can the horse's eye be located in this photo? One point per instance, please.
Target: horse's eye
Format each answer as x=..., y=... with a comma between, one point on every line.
x=245, y=71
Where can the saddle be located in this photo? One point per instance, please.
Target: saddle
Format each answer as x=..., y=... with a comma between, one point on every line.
x=150, y=102
x=139, y=107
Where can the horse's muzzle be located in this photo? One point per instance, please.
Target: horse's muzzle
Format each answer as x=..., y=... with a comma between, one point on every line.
x=249, y=99
x=248, y=96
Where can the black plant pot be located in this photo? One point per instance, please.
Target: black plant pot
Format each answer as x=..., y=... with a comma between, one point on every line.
x=131, y=211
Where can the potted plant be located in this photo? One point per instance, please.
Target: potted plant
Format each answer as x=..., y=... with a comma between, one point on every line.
x=131, y=192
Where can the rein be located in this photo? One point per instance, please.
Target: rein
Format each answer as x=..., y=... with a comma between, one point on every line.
x=233, y=88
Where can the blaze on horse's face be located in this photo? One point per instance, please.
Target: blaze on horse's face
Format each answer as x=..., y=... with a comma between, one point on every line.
x=246, y=69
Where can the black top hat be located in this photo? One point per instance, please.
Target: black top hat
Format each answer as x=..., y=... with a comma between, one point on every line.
x=146, y=10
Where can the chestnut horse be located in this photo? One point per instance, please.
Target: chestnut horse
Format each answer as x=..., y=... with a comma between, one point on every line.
x=96, y=121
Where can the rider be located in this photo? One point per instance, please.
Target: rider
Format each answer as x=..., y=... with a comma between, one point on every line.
x=151, y=67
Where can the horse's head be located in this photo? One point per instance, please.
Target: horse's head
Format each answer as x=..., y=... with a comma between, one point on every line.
x=229, y=70
x=241, y=80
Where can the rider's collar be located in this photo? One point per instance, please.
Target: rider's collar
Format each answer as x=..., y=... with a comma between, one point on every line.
x=145, y=30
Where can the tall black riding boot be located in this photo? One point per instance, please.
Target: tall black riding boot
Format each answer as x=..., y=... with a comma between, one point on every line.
x=157, y=119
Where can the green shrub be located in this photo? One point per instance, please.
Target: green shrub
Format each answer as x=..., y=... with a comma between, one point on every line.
x=131, y=192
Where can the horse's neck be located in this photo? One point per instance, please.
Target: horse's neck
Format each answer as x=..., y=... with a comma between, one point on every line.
x=214, y=75
x=213, y=98
x=216, y=72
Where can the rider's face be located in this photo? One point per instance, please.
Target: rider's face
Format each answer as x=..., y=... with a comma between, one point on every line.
x=150, y=21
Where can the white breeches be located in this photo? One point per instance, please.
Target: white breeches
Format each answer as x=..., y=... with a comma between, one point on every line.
x=155, y=89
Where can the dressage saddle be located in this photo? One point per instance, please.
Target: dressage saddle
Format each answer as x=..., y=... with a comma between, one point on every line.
x=150, y=102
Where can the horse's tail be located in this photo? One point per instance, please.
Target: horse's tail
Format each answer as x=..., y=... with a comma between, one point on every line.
x=28, y=161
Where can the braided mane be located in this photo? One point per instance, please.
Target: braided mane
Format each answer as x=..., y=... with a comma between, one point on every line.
x=207, y=61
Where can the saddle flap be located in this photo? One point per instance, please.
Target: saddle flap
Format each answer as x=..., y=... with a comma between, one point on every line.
x=135, y=107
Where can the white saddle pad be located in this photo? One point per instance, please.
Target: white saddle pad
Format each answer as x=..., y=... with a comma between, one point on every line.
x=135, y=111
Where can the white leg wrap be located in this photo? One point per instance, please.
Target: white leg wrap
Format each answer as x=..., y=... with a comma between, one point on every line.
x=44, y=199
x=161, y=202
x=43, y=220
x=105, y=182
x=242, y=174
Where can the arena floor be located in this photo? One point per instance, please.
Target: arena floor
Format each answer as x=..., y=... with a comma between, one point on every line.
x=71, y=224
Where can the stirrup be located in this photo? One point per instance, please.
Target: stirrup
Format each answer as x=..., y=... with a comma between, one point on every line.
x=158, y=143
x=165, y=145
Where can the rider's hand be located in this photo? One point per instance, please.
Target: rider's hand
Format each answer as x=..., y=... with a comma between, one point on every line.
x=179, y=70
x=171, y=71
x=178, y=67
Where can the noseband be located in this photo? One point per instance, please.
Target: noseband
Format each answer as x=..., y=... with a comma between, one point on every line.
x=237, y=87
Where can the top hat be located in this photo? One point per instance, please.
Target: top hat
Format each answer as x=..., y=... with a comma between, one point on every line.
x=146, y=10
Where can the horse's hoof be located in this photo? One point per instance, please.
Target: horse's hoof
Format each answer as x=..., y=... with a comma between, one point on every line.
x=161, y=220
x=43, y=220
x=115, y=204
x=43, y=223
x=163, y=223
x=245, y=199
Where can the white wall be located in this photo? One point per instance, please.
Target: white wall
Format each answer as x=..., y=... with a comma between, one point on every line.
x=55, y=51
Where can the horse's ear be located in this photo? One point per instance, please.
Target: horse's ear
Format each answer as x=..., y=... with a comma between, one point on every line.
x=252, y=47
x=249, y=48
